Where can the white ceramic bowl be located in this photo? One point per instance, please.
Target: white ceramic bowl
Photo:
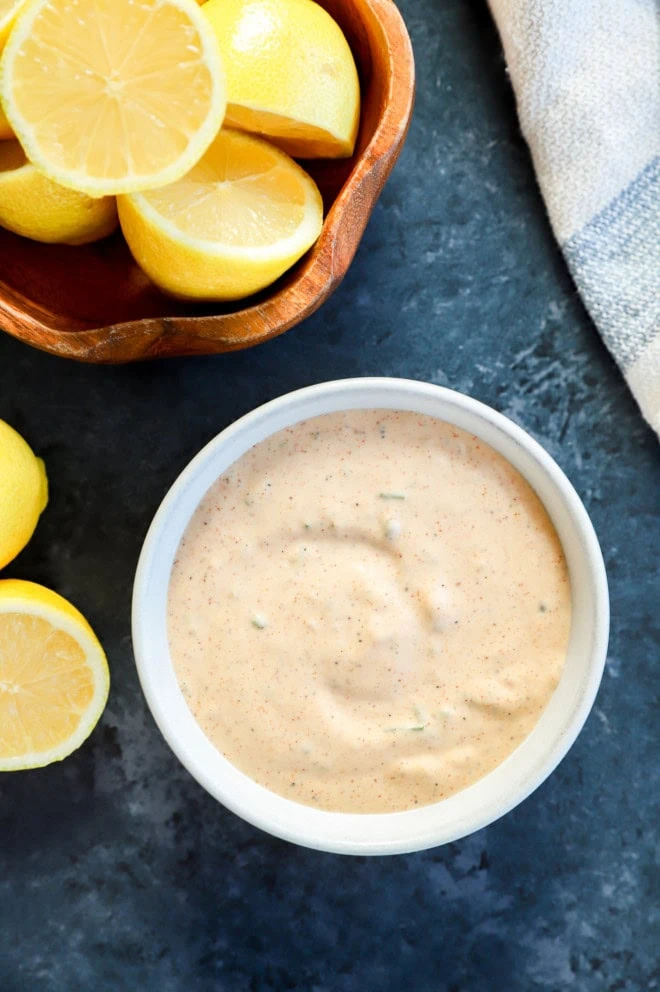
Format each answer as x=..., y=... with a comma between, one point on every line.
x=474, y=807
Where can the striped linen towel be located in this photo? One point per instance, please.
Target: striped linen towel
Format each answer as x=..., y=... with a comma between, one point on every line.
x=586, y=74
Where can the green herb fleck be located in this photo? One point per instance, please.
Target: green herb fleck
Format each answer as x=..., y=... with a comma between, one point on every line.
x=422, y=723
x=394, y=730
x=391, y=495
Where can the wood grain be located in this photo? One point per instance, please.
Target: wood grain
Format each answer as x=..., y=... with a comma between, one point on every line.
x=93, y=303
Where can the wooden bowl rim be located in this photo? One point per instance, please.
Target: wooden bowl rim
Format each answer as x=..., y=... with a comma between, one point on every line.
x=273, y=315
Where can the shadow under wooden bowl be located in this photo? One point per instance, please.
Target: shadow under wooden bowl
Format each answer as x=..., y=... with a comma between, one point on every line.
x=94, y=304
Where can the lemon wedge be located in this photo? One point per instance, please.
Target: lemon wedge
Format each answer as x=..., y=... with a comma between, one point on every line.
x=54, y=676
x=239, y=219
x=291, y=75
x=36, y=207
x=110, y=96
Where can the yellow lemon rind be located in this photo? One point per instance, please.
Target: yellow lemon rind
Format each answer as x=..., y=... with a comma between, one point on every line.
x=291, y=75
x=23, y=492
x=34, y=206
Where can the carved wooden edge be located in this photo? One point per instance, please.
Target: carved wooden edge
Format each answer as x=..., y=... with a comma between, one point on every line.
x=322, y=271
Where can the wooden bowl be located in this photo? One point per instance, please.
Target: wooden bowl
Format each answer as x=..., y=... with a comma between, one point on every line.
x=95, y=305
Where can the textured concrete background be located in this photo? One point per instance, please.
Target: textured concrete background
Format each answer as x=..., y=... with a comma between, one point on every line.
x=117, y=872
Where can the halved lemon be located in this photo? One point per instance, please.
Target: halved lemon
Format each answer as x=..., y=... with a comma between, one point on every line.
x=239, y=219
x=110, y=96
x=34, y=206
x=291, y=75
x=54, y=678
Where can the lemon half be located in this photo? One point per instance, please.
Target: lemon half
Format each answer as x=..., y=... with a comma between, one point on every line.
x=240, y=218
x=108, y=96
x=54, y=678
x=291, y=75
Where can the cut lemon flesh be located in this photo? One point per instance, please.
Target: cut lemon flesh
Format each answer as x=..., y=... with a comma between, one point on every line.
x=239, y=219
x=109, y=96
x=54, y=677
x=34, y=206
x=291, y=75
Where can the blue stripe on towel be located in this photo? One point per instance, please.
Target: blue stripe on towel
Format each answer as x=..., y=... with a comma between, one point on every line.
x=615, y=261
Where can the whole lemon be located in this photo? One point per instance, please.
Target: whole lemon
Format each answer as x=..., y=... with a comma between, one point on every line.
x=23, y=492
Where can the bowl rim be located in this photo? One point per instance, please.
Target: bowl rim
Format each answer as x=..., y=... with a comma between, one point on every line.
x=321, y=272
x=472, y=808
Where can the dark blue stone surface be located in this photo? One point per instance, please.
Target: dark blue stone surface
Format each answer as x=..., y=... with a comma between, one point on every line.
x=117, y=872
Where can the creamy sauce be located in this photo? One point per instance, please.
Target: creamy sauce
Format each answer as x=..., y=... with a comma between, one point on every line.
x=369, y=611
